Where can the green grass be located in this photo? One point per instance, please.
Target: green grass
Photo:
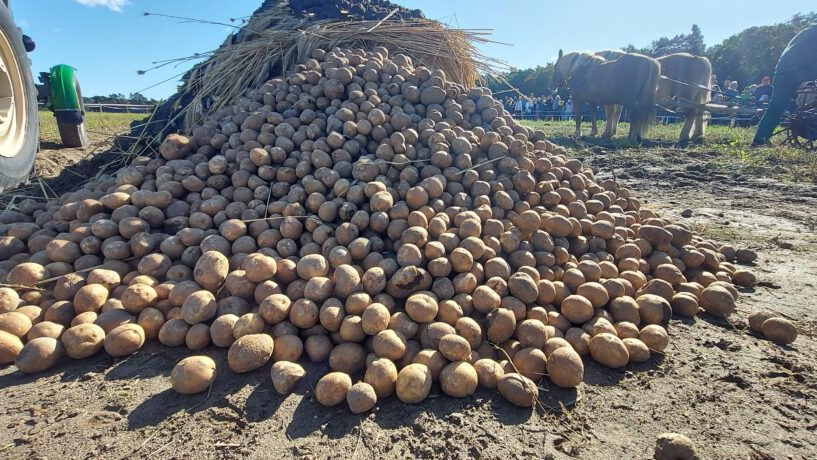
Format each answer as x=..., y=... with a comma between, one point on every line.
x=726, y=147
x=100, y=125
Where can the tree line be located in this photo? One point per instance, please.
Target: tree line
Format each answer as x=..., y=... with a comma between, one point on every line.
x=118, y=98
x=746, y=56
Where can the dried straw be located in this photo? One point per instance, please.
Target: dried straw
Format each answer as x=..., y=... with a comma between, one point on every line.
x=285, y=40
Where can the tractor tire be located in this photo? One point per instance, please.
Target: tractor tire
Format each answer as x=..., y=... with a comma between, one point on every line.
x=19, y=120
x=73, y=135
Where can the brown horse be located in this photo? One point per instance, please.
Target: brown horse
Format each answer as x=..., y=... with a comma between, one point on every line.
x=631, y=81
x=612, y=112
x=695, y=70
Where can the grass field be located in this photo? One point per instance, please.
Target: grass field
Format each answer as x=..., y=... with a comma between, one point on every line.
x=100, y=125
x=732, y=145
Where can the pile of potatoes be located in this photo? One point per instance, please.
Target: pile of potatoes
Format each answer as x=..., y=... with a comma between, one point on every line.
x=364, y=212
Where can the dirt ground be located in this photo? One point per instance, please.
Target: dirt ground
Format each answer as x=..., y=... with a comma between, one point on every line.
x=734, y=394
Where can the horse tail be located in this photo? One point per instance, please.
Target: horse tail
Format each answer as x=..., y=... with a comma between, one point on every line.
x=647, y=111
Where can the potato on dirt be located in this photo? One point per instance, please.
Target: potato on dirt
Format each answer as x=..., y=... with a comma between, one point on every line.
x=609, y=350
x=518, y=389
x=39, y=354
x=381, y=374
x=674, y=446
x=288, y=347
x=413, y=383
x=779, y=330
x=717, y=300
x=488, y=372
x=285, y=375
x=757, y=318
x=654, y=336
x=638, y=350
x=250, y=352
x=193, y=374
x=361, y=397
x=15, y=323
x=565, y=368
x=10, y=346
x=83, y=340
x=459, y=379
x=332, y=388
x=124, y=340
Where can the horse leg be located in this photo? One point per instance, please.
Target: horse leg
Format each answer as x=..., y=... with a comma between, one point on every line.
x=578, y=115
x=690, y=123
x=616, y=109
x=594, y=118
x=699, y=130
x=634, y=135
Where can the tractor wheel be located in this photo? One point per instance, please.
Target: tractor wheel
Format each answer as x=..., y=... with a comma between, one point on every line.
x=19, y=121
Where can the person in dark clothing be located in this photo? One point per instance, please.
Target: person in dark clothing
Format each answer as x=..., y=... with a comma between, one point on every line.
x=764, y=92
x=796, y=65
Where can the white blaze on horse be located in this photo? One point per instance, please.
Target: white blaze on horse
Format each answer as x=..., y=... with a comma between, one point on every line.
x=630, y=80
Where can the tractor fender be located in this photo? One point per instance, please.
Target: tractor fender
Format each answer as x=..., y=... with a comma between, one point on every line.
x=65, y=95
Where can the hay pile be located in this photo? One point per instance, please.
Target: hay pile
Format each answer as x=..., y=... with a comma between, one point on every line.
x=368, y=212
x=282, y=33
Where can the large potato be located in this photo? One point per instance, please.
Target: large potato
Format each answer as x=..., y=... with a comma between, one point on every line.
x=83, y=340
x=285, y=375
x=779, y=330
x=39, y=354
x=381, y=374
x=609, y=350
x=10, y=346
x=199, y=307
x=488, y=372
x=211, y=270
x=413, y=383
x=15, y=323
x=565, y=368
x=332, y=388
x=250, y=352
x=518, y=389
x=459, y=379
x=124, y=340
x=361, y=397
x=193, y=374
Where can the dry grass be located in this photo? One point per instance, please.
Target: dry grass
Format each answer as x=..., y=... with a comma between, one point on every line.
x=275, y=41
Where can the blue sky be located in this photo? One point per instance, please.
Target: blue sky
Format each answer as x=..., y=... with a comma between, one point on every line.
x=109, y=40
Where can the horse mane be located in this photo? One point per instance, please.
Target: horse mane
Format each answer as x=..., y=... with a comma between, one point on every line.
x=570, y=62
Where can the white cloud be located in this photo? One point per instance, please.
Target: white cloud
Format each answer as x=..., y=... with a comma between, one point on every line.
x=115, y=5
x=23, y=23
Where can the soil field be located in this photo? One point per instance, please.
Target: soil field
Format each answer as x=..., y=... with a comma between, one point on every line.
x=734, y=394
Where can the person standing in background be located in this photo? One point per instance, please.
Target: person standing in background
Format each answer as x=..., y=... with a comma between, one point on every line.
x=519, y=107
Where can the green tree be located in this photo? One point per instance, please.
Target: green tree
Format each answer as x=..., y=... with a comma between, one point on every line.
x=692, y=42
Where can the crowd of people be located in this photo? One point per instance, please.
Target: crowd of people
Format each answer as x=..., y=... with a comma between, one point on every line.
x=752, y=95
x=549, y=107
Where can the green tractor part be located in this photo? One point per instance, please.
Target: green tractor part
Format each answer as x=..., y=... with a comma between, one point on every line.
x=62, y=93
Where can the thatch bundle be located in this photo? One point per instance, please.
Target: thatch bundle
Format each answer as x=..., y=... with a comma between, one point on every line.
x=275, y=40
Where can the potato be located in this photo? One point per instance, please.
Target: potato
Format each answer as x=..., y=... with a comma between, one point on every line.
x=626, y=330
x=413, y=383
x=454, y=347
x=652, y=308
x=250, y=352
x=375, y=318
x=637, y=350
x=565, y=368
x=530, y=362
x=10, y=347
x=518, y=389
x=107, y=278
x=199, y=307
x=522, y=286
x=39, y=354
x=381, y=374
x=288, y=347
x=779, y=330
x=595, y=293
x=501, y=325
x=15, y=323
x=332, y=388
x=90, y=297
x=361, y=397
x=137, y=297
x=68, y=285
x=609, y=350
x=757, y=318
x=9, y=300
x=28, y=274
x=488, y=372
x=577, y=309
x=275, y=308
x=83, y=340
x=348, y=358
x=250, y=323
x=110, y=319
x=486, y=299
x=221, y=331
x=459, y=379
x=259, y=267
x=84, y=318
x=193, y=374
x=124, y=340
x=211, y=270
x=684, y=304
x=389, y=344
x=674, y=446
x=717, y=300
x=654, y=336
x=285, y=375
x=421, y=307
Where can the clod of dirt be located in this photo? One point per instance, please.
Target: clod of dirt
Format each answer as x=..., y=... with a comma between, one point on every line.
x=674, y=446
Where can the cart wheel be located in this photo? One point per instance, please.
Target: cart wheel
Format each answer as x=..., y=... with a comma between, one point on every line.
x=19, y=121
x=73, y=135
